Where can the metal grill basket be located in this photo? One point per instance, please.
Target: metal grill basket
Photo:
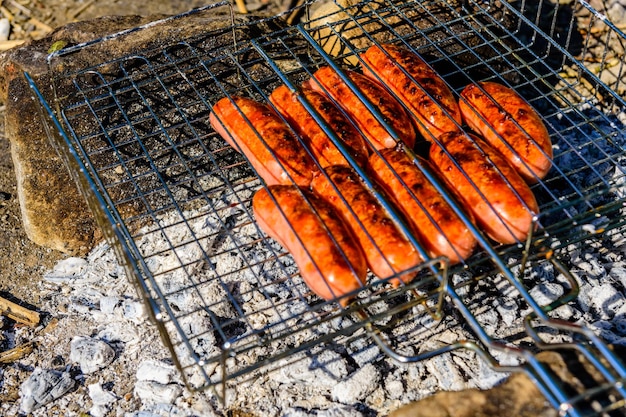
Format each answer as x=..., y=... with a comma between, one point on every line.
x=174, y=199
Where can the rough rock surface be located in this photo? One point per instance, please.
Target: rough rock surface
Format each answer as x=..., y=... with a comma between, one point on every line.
x=518, y=396
x=54, y=212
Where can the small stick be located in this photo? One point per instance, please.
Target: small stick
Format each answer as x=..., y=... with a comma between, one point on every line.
x=5, y=45
x=39, y=24
x=241, y=6
x=18, y=352
x=7, y=13
x=294, y=13
x=82, y=8
x=18, y=313
x=24, y=10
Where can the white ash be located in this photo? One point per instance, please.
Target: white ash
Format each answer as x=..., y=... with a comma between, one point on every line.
x=326, y=380
x=90, y=354
x=67, y=270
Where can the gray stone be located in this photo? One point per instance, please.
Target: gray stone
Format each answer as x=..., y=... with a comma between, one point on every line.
x=54, y=212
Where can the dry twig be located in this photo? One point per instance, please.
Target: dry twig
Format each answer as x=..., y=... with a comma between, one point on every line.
x=40, y=25
x=241, y=6
x=81, y=9
x=5, y=45
x=7, y=13
x=18, y=313
x=18, y=352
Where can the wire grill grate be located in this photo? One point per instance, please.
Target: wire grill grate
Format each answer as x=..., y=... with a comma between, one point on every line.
x=175, y=198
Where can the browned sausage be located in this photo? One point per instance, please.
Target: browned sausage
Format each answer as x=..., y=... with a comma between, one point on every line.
x=328, y=81
x=510, y=125
x=330, y=261
x=500, y=200
x=417, y=85
x=287, y=104
x=386, y=248
x=268, y=143
x=434, y=222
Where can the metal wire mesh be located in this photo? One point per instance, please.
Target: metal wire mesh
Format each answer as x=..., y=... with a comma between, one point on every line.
x=175, y=198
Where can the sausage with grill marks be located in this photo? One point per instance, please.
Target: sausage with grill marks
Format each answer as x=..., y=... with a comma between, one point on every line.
x=499, y=199
x=434, y=222
x=330, y=260
x=326, y=80
x=386, y=248
x=510, y=125
x=420, y=88
x=248, y=123
x=321, y=145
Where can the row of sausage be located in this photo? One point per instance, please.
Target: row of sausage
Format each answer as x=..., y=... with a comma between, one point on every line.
x=318, y=207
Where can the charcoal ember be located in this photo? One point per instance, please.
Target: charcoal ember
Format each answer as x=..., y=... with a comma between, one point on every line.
x=91, y=354
x=108, y=304
x=394, y=386
x=134, y=310
x=603, y=301
x=68, y=270
x=324, y=370
x=449, y=378
x=365, y=352
x=508, y=311
x=357, y=386
x=43, y=387
x=620, y=326
x=101, y=400
x=546, y=292
x=335, y=411
x=157, y=371
x=619, y=273
x=156, y=393
x=567, y=312
x=157, y=382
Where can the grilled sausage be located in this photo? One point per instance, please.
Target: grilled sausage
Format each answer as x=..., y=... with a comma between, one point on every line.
x=420, y=88
x=268, y=143
x=322, y=146
x=499, y=199
x=510, y=125
x=386, y=248
x=433, y=221
x=328, y=81
x=330, y=261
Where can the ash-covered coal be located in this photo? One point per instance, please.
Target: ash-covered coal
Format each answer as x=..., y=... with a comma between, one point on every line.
x=352, y=378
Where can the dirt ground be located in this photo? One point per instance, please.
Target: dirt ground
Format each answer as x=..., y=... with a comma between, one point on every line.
x=23, y=263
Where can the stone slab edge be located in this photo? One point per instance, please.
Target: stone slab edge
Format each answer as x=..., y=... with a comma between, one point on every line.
x=54, y=213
